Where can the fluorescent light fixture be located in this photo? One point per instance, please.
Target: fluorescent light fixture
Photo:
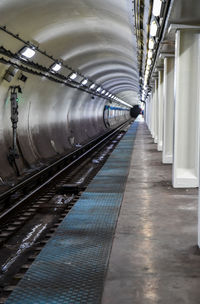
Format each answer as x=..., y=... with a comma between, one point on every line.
x=157, y=4
x=107, y=94
x=153, y=28
x=92, y=86
x=110, y=95
x=84, y=81
x=149, y=61
x=56, y=67
x=103, y=92
x=98, y=89
x=151, y=43
x=73, y=76
x=150, y=54
x=27, y=52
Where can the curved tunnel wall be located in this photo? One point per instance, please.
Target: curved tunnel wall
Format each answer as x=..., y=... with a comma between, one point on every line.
x=53, y=120
x=94, y=38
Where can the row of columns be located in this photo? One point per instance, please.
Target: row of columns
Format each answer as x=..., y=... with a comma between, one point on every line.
x=172, y=112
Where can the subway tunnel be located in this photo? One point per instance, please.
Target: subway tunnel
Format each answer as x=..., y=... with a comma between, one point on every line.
x=94, y=41
x=99, y=160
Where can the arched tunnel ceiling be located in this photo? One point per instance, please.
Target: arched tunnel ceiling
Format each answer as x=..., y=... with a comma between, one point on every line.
x=94, y=37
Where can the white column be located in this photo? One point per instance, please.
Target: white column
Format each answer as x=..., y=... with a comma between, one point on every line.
x=168, y=100
x=152, y=114
x=147, y=114
x=149, y=105
x=199, y=220
x=160, y=110
x=186, y=125
x=156, y=112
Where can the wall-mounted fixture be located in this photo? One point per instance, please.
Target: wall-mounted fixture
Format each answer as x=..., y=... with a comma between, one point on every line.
x=92, y=87
x=150, y=54
x=84, y=81
x=157, y=4
x=151, y=43
x=27, y=52
x=153, y=28
x=56, y=67
x=149, y=61
x=98, y=89
x=73, y=76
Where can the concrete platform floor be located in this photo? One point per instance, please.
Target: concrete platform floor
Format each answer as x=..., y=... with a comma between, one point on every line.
x=154, y=257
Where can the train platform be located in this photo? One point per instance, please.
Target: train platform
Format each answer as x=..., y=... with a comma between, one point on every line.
x=153, y=258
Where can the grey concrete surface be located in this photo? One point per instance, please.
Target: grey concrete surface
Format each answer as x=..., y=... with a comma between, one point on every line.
x=154, y=258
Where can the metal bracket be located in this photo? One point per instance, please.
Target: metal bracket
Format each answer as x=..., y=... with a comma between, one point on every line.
x=13, y=151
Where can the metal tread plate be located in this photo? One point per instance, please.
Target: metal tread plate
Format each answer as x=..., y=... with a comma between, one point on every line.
x=72, y=266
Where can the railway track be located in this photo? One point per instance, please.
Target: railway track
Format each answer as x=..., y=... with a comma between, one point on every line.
x=43, y=202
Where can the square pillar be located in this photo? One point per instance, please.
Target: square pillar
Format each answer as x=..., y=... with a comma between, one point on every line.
x=160, y=110
x=199, y=221
x=156, y=112
x=147, y=112
x=152, y=114
x=186, y=122
x=168, y=108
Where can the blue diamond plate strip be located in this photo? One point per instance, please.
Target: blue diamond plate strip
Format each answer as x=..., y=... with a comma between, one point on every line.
x=71, y=268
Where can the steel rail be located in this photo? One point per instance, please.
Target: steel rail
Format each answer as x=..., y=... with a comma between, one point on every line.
x=95, y=144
